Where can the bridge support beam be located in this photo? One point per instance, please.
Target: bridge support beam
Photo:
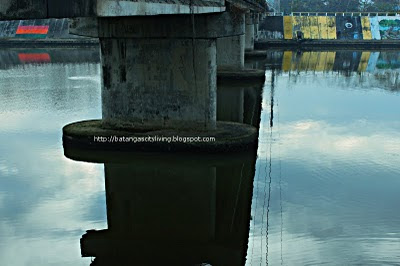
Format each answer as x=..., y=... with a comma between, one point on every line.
x=249, y=44
x=256, y=26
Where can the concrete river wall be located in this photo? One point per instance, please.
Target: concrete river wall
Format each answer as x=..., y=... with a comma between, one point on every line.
x=331, y=28
x=39, y=32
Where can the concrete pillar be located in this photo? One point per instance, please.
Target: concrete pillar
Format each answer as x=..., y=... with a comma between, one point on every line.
x=249, y=43
x=159, y=83
x=256, y=26
x=159, y=72
x=230, y=52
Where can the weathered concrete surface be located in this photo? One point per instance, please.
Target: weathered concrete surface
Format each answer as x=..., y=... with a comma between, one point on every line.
x=256, y=25
x=159, y=83
x=228, y=136
x=230, y=52
x=35, y=9
x=23, y=9
x=250, y=34
x=255, y=5
x=71, y=8
x=107, y=8
x=57, y=29
x=205, y=26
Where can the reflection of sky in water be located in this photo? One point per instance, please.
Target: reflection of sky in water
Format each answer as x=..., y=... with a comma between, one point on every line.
x=335, y=174
x=46, y=201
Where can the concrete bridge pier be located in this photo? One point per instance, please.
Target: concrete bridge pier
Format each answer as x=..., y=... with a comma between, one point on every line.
x=249, y=43
x=250, y=51
x=159, y=83
x=159, y=77
x=231, y=53
x=160, y=73
x=256, y=25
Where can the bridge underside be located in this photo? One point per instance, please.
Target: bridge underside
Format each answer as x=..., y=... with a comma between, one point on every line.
x=35, y=9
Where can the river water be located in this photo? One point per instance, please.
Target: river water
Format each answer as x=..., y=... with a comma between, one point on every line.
x=325, y=188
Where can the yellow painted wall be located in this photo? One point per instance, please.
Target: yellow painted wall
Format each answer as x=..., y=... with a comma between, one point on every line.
x=323, y=27
x=287, y=61
x=314, y=28
x=305, y=27
x=362, y=67
x=331, y=23
x=287, y=27
x=366, y=28
x=297, y=21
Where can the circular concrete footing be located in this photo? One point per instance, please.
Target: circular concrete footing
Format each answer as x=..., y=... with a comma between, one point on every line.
x=246, y=75
x=228, y=137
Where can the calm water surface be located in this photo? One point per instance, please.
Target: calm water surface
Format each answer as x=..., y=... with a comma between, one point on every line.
x=326, y=183
x=46, y=200
x=326, y=190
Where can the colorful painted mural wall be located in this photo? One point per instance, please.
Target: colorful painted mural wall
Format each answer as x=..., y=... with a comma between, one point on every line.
x=331, y=27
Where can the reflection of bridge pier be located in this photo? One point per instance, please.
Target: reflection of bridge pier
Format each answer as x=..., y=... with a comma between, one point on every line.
x=239, y=103
x=175, y=209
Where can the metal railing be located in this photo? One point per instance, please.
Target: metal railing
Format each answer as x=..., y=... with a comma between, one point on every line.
x=336, y=14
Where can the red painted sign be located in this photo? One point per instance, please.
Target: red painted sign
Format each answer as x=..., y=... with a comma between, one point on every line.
x=32, y=30
x=34, y=58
